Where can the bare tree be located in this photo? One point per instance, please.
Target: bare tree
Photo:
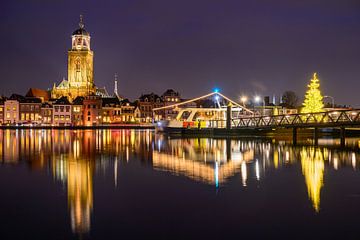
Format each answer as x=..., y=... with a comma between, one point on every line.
x=290, y=99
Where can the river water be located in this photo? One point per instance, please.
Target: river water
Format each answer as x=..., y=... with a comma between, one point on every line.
x=113, y=184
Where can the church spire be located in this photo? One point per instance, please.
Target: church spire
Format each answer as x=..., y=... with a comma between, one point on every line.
x=115, y=85
x=81, y=23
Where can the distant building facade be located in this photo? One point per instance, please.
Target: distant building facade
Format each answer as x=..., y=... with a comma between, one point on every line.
x=111, y=110
x=46, y=114
x=62, y=112
x=12, y=109
x=127, y=112
x=146, y=103
x=170, y=97
x=92, y=110
x=30, y=110
x=78, y=111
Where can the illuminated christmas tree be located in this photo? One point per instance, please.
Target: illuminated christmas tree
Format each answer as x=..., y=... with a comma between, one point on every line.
x=313, y=99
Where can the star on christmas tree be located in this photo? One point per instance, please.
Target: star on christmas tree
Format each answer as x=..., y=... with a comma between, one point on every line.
x=313, y=99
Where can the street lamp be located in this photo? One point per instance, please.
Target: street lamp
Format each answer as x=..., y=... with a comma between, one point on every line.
x=257, y=100
x=332, y=100
x=243, y=99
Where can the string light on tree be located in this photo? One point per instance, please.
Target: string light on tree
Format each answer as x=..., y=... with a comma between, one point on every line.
x=313, y=98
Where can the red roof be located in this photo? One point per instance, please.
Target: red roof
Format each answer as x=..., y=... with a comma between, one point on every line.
x=38, y=93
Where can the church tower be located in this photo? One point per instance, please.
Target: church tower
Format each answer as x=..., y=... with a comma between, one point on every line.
x=80, y=67
x=80, y=60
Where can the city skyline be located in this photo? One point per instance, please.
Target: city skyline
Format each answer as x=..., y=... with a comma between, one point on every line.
x=238, y=47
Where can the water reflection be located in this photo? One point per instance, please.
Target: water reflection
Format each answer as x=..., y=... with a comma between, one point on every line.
x=75, y=157
x=312, y=163
x=206, y=160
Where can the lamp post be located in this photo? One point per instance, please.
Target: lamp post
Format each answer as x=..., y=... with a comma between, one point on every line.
x=332, y=100
x=243, y=99
x=257, y=100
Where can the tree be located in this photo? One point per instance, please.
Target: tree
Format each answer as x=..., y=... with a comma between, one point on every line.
x=313, y=101
x=289, y=99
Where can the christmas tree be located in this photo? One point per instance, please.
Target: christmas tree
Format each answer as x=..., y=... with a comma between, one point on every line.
x=313, y=99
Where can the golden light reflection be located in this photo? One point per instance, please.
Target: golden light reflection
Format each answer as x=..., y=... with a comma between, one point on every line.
x=312, y=164
x=276, y=158
x=80, y=194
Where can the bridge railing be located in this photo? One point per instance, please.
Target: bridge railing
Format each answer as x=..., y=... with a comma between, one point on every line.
x=302, y=119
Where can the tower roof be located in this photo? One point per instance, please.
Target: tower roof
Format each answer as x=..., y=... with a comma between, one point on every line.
x=81, y=30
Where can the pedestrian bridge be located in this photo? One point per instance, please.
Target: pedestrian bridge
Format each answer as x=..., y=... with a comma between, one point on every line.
x=338, y=118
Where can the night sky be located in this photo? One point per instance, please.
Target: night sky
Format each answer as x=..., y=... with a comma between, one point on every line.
x=241, y=46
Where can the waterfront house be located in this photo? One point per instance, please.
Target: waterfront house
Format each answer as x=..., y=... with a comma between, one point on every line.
x=30, y=110
x=11, y=109
x=170, y=97
x=127, y=111
x=92, y=107
x=111, y=110
x=78, y=111
x=62, y=112
x=46, y=113
x=146, y=103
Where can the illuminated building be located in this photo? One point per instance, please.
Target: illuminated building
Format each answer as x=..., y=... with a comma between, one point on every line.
x=127, y=111
x=11, y=110
x=46, y=113
x=30, y=110
x=146, y=104
x=62, y=112
x=92, y=110
x=170, y=97
x=111, y=110
x=77, y=111
x=80, y=67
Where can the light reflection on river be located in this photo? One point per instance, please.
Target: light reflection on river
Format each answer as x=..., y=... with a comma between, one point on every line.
x=77, y=159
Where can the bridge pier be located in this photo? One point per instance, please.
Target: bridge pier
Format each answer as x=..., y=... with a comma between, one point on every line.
x=294, y=136
x=342, y=136
x=228, y=117
x=228, y=149
x=316, y=136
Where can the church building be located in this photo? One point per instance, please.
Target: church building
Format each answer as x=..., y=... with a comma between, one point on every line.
x=80, y=68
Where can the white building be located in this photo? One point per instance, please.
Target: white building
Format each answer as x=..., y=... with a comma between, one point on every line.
x=11, y=111
x=62, y=112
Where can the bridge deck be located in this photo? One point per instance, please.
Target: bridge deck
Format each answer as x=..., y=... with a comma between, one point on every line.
x=330, y=119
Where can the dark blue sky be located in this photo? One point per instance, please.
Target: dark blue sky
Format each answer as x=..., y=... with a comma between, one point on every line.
x=249, y=46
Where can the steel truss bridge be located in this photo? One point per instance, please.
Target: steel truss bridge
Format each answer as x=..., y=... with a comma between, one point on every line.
x=330, y=119
x=340, y=119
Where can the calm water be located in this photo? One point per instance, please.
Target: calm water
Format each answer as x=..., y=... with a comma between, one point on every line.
x=113, y=184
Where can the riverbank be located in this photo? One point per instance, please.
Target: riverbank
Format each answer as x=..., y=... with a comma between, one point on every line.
x=123, y=126
x=284, y=132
